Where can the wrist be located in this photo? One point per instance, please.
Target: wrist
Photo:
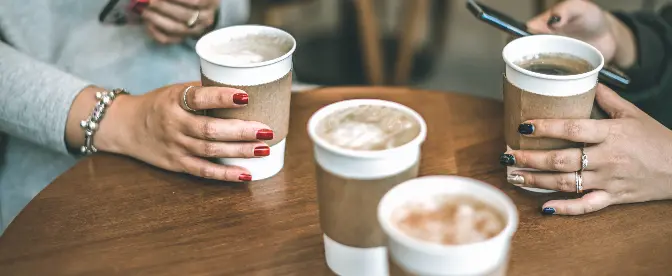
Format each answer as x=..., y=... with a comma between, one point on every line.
x=112, y=135
x=625, y=55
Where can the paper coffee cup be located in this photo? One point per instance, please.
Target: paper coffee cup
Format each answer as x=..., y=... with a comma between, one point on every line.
x=531, y=95
x=412, y=256
x=350, y=183
x=258, y=60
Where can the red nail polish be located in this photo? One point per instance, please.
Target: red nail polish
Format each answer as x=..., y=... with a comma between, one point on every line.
x=262, y=151
x=265, y=134
x=240, y=98
x=245, y=177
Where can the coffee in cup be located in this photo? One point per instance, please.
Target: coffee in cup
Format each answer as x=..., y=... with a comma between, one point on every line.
x=547, y=77
x=447, y=225
x=257, y=60
x=362, y=149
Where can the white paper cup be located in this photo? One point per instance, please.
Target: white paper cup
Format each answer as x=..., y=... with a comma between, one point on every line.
x=268, y=84
x=418, y=257
x=367, y=168
x=551, y=87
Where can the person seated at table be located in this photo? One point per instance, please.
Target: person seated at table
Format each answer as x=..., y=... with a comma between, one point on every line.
x=55, y=57
x=629, y=155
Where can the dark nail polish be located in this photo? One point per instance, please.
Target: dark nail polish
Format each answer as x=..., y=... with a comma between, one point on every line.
x=245, y=177
x=525, y=129
x=548, y=211
x=265, y=134
x=554, y=19
x=262, y=151
x=240, y=98
x=507, y=159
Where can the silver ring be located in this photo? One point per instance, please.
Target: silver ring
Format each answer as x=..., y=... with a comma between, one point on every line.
x=193, y=19
x=579, y=182
x=185, y=106
x=584, y=160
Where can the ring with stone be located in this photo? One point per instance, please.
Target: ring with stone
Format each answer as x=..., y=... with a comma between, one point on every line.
x=584, y=159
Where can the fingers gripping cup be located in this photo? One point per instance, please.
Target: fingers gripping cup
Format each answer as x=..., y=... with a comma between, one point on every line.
x=447, y=225
x=547, y=77
x=258, y=60
x=362, y=149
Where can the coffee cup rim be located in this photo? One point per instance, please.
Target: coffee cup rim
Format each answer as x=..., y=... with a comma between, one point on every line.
x=240, y=28
x=427, y=184
x=515, y=43
x=321, y=113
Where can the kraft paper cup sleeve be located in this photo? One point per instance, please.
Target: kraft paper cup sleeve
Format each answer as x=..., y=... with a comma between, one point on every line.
x=521, y=105
x=269, y=103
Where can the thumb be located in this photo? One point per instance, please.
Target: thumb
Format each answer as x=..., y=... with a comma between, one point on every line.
x=613, y=104
x=591, y=202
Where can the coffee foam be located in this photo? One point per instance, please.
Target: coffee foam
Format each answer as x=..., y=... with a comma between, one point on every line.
x=449, y=220
x=368, y=127
x=246, y=49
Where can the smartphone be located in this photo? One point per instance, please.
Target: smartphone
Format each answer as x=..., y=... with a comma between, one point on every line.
x=122, y=12
x=609, y=76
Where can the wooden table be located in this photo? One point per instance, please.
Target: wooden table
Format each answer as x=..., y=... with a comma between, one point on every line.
x=113, y=215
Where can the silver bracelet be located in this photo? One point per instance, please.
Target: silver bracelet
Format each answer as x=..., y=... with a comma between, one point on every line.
x=90, y=125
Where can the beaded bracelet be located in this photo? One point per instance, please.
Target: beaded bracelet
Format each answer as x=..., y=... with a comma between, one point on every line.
x=90, y=125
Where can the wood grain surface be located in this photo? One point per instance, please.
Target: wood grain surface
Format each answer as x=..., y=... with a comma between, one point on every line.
x=111, y=215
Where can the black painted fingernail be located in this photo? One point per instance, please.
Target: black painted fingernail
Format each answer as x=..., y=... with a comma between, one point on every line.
x=548, y=211
x=507, y=159
x=525, y=129
x=554, y=19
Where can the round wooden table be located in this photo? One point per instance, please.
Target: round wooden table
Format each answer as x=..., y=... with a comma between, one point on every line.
x=113, y=215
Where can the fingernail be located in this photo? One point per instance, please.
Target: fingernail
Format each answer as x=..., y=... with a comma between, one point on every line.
x=240, y=98
x=507, y=159
x=245, y=177
x=548, y=211
x=554, y=19
x=515, y=179
x=525, y=128
x=262, y=151
x=264, y=134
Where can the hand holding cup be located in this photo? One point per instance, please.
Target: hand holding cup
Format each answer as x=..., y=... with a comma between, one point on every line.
x=157, y=128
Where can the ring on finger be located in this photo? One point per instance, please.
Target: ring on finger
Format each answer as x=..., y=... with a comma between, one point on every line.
x=578, y=178
x=193, y=19
x=584, y=159
x=185, y=105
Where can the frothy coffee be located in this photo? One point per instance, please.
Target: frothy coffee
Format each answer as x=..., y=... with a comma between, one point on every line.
x=558, y=64
x=247, y=49
x=450, y=220
x=368, y=127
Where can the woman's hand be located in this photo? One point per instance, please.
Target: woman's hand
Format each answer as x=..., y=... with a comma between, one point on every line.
x=629, y=158
x=156, y=129
x=167, y=21
x=586, y=21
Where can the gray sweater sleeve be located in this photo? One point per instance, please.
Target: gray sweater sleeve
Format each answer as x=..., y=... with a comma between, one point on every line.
x=35, y=99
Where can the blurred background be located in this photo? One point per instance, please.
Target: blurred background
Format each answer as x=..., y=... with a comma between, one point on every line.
x=430, y=44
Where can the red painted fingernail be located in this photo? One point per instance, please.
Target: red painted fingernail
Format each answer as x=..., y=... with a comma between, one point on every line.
x=245, y=177
x=262, y=151
x=240, y=98
x=265, y=134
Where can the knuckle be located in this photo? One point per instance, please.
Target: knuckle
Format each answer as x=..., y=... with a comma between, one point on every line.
x=564, y=184
x=245, y=150
x=209, y=149
x=557, y=161
x=208, y=129
x=207, y=172
x=573, y=129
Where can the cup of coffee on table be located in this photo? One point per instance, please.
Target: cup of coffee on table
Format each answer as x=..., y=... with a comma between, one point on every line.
x=362, y=149
x=257, y=60
x=547, y=77
x=447, y=225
